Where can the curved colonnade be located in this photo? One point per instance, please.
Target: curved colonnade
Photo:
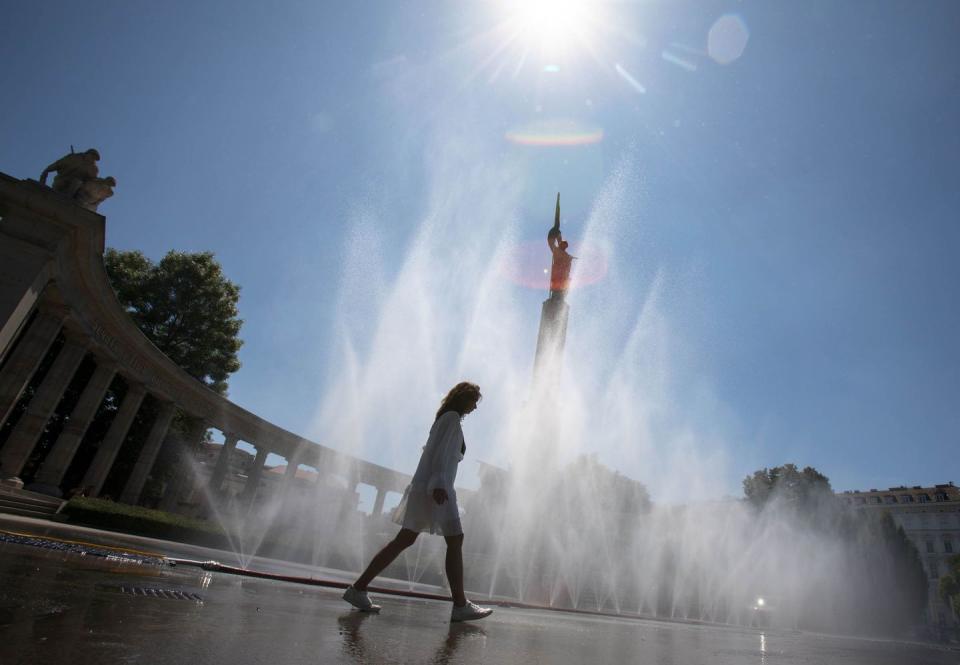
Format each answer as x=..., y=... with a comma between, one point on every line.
x=53, y=285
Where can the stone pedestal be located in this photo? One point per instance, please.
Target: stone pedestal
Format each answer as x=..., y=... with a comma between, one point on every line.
x=550, y=342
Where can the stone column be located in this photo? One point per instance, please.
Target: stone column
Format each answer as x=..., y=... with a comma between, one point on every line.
x=289, y=478
x=171, y=493
x=253, y=480
x=55, y=466
x=110, y=446
x=25, y=359
x=223, y=463
x=148, y=455
x=24, y=436
x=378, y=502
x=183, y=470
x=291, y=471
x=26, y=271
x=321, y=464
x=348, y=500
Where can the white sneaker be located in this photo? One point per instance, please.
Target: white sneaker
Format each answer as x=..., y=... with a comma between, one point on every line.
x=469, y=612
x=360, y=600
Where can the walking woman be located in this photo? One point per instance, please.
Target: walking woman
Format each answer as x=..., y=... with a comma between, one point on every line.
x=430, y=505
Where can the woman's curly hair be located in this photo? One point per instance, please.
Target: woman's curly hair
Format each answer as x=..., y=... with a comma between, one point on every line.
x=461, y=395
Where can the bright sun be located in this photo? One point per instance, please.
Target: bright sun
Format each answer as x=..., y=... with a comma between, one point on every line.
x=550, y=25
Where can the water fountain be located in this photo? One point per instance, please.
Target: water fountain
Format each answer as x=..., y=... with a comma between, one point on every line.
x=570, y=460
x=558, y=519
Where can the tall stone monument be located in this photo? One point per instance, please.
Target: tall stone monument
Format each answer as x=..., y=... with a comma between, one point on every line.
x=552, y=337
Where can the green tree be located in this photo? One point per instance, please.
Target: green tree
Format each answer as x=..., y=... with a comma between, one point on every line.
x=885, y=588
x=610, y=490
x=795, y=487
x=186, y=306
x=894, y=590
x=950, y=585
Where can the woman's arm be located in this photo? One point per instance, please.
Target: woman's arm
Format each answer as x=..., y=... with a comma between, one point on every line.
x=446, y=452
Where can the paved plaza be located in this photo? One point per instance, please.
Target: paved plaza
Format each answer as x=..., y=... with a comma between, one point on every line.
x=58, y=607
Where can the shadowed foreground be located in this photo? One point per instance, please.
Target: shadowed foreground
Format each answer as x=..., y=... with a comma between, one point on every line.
x=58, y=607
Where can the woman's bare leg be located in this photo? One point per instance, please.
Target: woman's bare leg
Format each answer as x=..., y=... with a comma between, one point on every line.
x=454, y=564
x=385, y=557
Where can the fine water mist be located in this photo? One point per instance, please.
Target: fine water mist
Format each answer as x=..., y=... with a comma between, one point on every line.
x=602, y=491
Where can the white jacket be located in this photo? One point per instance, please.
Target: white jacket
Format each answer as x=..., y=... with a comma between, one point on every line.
x=441, y=455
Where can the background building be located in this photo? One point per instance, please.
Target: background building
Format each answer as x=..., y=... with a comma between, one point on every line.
x=930, y=516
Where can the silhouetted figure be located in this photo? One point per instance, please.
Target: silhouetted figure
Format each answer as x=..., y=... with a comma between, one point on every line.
x=429, y=505
x=77, y=178
x=72, y=171
x=562, y=260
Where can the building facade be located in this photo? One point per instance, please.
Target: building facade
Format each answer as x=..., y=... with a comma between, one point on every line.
x=930, y=517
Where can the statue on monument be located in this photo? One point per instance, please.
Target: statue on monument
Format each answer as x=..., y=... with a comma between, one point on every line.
x=95, y=191
x=77, y=178
x=562, y=260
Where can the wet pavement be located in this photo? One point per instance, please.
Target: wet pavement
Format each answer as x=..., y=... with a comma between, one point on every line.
x=64, y=607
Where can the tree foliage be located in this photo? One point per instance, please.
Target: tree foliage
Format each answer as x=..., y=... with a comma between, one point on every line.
x=884, y=589
x=596, y=484
x=893, y=585
x=950, y=585
x=786, y=483
x=186, y=306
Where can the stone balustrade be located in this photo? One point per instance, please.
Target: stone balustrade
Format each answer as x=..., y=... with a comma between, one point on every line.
x=54, y=290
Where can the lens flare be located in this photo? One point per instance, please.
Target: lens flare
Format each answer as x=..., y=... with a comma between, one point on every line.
x=528, y=265
x=630, y=79
x=555, y=133
x=682, y=63
x=727, y=39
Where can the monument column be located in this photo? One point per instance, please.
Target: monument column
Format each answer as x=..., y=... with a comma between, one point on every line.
x=24, y=437
x=552, y=335
x=55, y=466
x=223, y=462
x=253, y=480
x=25, y=359
x=110, y=446
x=158, y=432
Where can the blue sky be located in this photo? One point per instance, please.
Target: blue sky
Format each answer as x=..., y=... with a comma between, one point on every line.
x=778, y=201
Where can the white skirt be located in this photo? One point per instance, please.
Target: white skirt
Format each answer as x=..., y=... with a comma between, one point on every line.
x=419, y=512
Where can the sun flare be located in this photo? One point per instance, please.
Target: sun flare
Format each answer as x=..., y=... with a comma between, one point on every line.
x=550, y=25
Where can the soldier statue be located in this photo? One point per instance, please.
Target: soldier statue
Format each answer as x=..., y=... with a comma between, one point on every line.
x=95, y=191
x=77, y=178
x=562, y=260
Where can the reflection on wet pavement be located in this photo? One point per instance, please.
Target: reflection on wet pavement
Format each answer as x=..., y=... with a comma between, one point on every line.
x=57, y=606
